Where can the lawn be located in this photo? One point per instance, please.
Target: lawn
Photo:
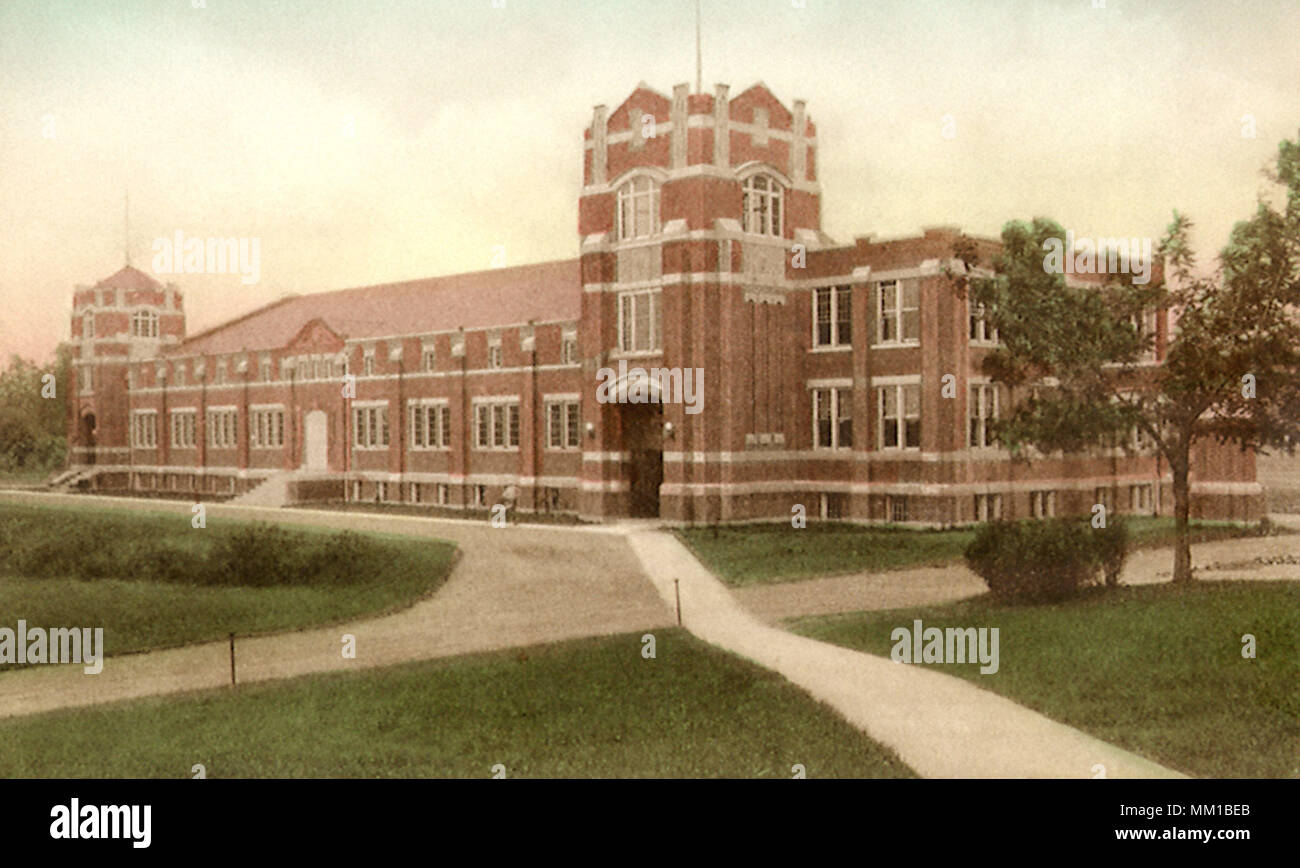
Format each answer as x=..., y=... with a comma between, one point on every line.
x=584, y=708
x=151, y=580
x=24, y=478
x=1155, y=669
x=760, y=554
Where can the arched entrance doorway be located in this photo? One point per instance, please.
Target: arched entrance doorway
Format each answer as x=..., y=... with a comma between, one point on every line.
x=88, y=436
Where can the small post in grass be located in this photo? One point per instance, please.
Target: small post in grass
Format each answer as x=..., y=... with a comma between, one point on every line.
x=677, y=588
x=232, y=659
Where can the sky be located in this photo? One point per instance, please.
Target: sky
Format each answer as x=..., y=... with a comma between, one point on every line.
x=378, y=140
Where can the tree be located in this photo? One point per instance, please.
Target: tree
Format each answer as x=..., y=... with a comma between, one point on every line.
x=33, y=414
x=1231, y=370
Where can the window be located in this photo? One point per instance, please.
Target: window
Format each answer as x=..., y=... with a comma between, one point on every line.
x=266, y=428
x=983, y=410
x=1145, y=325
x=897, y=508
x=569, y=351
x=144, y=324
x=430, y=426
x=833, y=316
x=900, y=416
x=494, y=356
x=981, y=331
x=413, y=492
x=180, y=375
x=223, y=428
x=900, y=312
x=762, y=205
x=988, y=507
x=562, y=423
x=370, y=426
x=1104, y=496
x=184, y=429
x=638, y=321
x=443, y=494
x=356, y=489
x=87, y=379
x=220, y=376
x=1042, y=504
x=368, y=366
x=638, y=209
x=832, y=418
x=428, y=358
x=496, y=425
x=1141, y=499
x=144, y=429
x=381, y=491
x=480, y=495
x=264, y=371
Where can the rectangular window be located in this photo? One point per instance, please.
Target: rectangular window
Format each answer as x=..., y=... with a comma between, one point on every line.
x=897, y=508
x=981, y=332
x=1042, y=504
x=569, y=351
x=264, y=371
x=184, y=426
x=899, y=416
x=1104, y=496
x=430, y=426
x=562, y=423
x=982, y=410
x=832, y=418
x=988, y=507
x=496, y=425
x=428, y=359
x=443, y=494
x=1141, y=499
x=413, y=492
x=370, y=427
x=266, y=428
x=222, y=429
x=144, y=429
x=899, y=314
x=494, y=356
x=368, y=366
x=833, y=313
x=638, y=321
x=480, y=495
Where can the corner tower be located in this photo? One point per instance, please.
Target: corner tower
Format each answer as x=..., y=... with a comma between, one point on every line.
x=124, y=318
x=693, y=213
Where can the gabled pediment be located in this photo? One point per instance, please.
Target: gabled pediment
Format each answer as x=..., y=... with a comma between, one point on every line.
x=316, y=337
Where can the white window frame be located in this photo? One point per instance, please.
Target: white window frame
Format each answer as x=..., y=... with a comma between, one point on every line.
x=981, y=333
x=832, y=300
x=900, y=392
x=184, y=428
x=266, y=426
x=371, y=431
x=1042, y=504
x=838, y=401
x=641, y=192
x=563, y=422
x=223, y=427
x=429, y=423
x=144, y=324
x=497, y=424
x=983, y=405
x=144, y=436
x=892, y=313
x=569, y=350
x=428, y=358
x=763, y=205
x=632, y=306
x=988, y=506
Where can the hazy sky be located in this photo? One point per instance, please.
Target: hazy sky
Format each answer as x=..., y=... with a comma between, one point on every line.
x=467, y=123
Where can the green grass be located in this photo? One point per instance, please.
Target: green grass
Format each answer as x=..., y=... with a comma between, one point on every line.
x=137, y=615
x=1154, y=669
x=585, y=708
x=760, y=554
x=24, y=478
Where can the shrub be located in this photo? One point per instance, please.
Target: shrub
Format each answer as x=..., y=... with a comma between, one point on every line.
x=1112, y=542
x=1043, y=560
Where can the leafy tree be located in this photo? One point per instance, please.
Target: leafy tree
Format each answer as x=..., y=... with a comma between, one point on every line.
x=33, y=414
x=1231, y=371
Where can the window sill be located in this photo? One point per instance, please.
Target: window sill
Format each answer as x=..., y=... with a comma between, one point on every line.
x=843, y=348
x=897, y=345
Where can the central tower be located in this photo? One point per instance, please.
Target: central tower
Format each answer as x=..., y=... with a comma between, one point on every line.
x=695, y=216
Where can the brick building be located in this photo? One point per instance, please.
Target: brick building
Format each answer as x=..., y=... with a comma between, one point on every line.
x=844, y=378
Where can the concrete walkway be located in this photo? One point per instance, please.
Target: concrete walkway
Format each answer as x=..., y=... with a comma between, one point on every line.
x=513, y=586
x=941, y=726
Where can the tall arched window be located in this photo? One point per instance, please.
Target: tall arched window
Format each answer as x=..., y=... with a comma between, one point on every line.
x=762, y=205
x=144, y=324
x=638, y=208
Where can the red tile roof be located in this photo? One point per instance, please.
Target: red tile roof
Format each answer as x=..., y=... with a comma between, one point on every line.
x=546, y=291
x=129, y=278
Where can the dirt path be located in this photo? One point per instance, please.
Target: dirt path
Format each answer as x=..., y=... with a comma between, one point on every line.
x=513, y=586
